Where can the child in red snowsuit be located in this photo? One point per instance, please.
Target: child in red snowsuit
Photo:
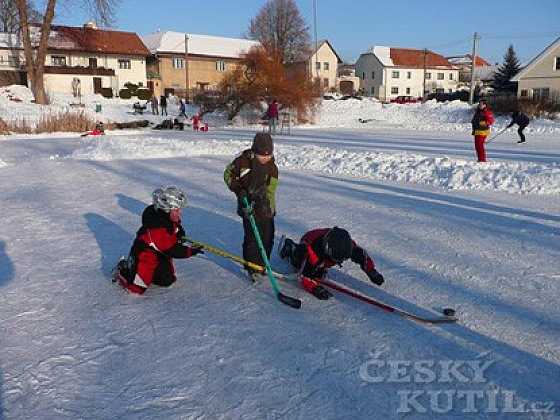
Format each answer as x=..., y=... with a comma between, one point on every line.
x=195, y=122
x=157, y=242
x=481, y=122
x=321, y=249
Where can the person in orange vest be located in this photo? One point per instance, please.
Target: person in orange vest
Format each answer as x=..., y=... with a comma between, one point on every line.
x=481, y=123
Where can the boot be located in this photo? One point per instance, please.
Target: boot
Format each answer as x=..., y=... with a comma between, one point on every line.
x=286, y=247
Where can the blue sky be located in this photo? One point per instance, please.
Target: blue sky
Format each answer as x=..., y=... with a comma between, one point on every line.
x=354, y=25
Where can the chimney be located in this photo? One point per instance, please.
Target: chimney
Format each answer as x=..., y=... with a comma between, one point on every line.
x=90, y=25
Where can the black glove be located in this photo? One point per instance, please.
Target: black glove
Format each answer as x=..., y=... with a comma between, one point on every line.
x=196, y=251
x=375, y=277
x=321, y=293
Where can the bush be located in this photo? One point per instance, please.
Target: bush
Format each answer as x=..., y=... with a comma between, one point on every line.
x=144, y=94
x=48, y=123
x=125, y=94
x=107, y=93
x=3, y=127
x=131, y=87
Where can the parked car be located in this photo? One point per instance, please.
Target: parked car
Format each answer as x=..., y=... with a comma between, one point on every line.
x=404, y=100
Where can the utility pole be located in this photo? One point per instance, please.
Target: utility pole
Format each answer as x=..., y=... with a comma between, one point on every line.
x=424, y=82
x=316, y=41
x=473, y=66
x=187, y=67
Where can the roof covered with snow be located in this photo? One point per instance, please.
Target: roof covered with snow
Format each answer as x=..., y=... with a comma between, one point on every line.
x=466, y=59
x=407, y=57
x=214, y=46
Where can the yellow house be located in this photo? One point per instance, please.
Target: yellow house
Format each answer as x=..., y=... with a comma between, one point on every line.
x=540, y=79
x=321, y=65
x=200, y=62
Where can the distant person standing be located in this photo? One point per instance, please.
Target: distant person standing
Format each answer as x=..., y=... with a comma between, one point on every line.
x=154, y=103
x=481, y=122
x=522, y=120
x=182, y=108
x=163, y=104
x=272, y=114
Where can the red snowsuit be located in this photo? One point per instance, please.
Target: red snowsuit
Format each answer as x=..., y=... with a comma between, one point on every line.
x=311, y=262
x=195, y=122
x=157, y=243
x=481, y=122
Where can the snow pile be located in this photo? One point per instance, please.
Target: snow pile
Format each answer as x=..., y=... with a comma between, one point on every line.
x=431, y=115
x=441, y=172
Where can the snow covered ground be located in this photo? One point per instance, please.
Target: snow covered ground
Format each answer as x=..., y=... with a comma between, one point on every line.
x=444, y=231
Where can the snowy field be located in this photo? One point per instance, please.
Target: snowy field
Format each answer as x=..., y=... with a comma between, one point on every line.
x=444, y=231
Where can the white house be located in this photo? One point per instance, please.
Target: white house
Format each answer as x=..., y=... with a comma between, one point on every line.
x=540, y=79
x=99, y=58
x=387, y=72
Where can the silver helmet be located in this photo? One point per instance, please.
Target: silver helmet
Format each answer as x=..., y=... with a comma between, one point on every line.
x=169, y=198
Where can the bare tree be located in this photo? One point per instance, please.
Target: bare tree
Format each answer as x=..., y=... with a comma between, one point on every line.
x=38, y=40
x=281, y=29
x=9, y=17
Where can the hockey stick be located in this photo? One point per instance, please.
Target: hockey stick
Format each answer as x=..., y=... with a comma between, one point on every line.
x=287, y=300
x=247, y=264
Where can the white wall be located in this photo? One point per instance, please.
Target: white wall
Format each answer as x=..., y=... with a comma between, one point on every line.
x=136, y=74
x=62, y=83
x=408, y=83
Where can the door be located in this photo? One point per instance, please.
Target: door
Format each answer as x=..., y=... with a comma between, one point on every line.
x=346, y=87
x=93, y=62
x=97, y=85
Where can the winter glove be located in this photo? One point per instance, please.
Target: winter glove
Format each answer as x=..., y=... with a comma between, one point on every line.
x=321, y=293
x=472, y=133
x=375, y=277
x=483, y=124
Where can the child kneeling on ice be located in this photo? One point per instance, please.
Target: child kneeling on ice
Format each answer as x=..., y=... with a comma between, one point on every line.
x=319, y=250
x=157, y=242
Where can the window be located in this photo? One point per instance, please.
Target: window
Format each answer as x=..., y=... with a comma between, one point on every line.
x=221, y=66
x=450, y=76
x=13, y=61
x=317, y=66
x=364, y=75
x=450, y=91
x=428, y=76
x=394, y=90
x=557, y=63
x=395, y=74
x=440, y=76
x=524, y=93
x=408, y=91
x=325, y=66
x=178, y=63
x=373, y=75
x=542, y=93
x=58, y=60
x=440, y=90
x=409, y=75
x=124, y=64
x=373, y=90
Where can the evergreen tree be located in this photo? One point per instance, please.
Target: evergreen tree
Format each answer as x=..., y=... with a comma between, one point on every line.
x=509, y=68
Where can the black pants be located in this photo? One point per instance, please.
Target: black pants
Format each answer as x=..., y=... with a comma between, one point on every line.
x=164, y=109
x=250, y=248
x=520, y=132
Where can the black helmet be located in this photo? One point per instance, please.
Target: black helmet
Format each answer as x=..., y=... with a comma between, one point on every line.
x=337, y=244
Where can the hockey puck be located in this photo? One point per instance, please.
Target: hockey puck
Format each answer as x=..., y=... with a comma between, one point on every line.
x=449, y=312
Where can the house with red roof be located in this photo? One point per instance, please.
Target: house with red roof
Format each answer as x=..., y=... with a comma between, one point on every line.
x=97, y=58
x=387, y=72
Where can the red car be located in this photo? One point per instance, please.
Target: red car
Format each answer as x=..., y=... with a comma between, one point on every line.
x=404, y=100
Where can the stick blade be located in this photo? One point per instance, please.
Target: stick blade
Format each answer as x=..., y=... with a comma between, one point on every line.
x=288, y=300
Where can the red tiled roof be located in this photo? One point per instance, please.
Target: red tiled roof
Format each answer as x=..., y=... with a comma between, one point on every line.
x=96, y=41
x=479, y=61
x=415, y=58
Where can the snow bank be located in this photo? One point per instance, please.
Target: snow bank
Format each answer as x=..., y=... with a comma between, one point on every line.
x=430, y=116
x=442, y=172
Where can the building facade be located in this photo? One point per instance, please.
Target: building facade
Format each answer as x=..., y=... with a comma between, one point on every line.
x=540, y=79
x=386, y=73
x=98, y=58
x=198, y=62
